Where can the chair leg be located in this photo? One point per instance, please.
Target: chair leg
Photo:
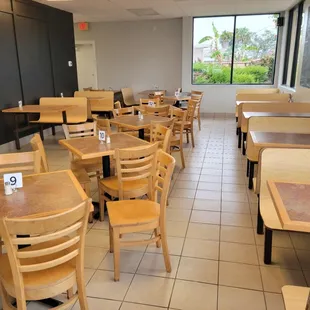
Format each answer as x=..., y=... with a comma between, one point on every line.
x=5, y=299
x=165, y=247
x=156, y=233
x=101, y=205
x=192, y=136
x=70, y=293
x=111, y=238
x=116, y=253
x=251, y=174
x=182, y=157
x=81, y=288
x=199, y=121
x=187, y=136
x=260, y=221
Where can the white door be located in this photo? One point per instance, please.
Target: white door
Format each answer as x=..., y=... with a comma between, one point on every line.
x=86, y=65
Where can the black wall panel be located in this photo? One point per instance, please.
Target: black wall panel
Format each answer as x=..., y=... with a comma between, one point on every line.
x=10, y=87
x=35, y=60
x=37, y=42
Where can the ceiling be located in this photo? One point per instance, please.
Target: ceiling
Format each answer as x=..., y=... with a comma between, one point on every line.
x=127, y=10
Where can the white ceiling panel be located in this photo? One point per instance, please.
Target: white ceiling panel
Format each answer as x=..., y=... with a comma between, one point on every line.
x=114, y=10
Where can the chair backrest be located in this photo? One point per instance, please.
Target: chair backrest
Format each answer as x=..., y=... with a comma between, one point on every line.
x=159, y=111
x=117, y=105
x=134, y=164
x=257, y=91
x=101, y=104
x=162, y=135
x=144, y=102
x=20, y=162
x=80, y=130
x=55, y=240
x=77, y=114
x=164, y=170
x=191, y=109
x=263, y=97
x=94, y=94
x=123, y=111
x=179, y=116
x=197, y=92
x=37, y=145
x=103, y=124
x=128, y=96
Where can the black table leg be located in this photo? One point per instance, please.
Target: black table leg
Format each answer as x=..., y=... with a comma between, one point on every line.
x=64, y=117
x=268, y=246
x=106, y=166
x=247, y=167
x=244, y=136
x=17, y=142
x=251, y=174
x=141, y=134
x=260, y=221
x=239, y=137
x=53, y=130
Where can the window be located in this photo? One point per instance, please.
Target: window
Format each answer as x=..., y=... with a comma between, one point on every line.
x=292, y=44
x=234, y=49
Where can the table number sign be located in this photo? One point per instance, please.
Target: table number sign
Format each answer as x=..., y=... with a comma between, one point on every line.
x=101, y=135
x=15, y=179
x=151, y=103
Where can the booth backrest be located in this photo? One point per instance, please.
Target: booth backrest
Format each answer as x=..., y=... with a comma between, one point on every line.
x=263, y=97
x=78, y=113
x=99, y=101
x=258, y=91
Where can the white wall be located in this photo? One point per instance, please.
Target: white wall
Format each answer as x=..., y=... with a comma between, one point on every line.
x=217, y=98
x=300, y=93
x=137, y=54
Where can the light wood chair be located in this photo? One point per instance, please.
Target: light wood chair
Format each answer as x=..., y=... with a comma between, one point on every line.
x=162, y=135
x=145, y=102
x=103, y=124
x=158, y=111
x=197, y=96
x=189, y=123
x=129, y=99
x=81, y=174
x=123, y=111
x=52, y=262
x=92, y=166
x=177, y=133
x=29, y=162
x=128, y=216
x=135, y=169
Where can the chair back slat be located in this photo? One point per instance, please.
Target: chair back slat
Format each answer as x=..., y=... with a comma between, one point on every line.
x=162, y=135
x=136, y=164
x=37, y=145
x=123, y=111
x=159, y=111
x=191, y=110
x=180, y=118
x=103, y=124
x=20, y=162
x=80, y=130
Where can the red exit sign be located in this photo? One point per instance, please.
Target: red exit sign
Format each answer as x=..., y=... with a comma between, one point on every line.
x=83, y=26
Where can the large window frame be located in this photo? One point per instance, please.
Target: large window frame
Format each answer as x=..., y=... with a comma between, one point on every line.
x=233, y=49
x=287, y=80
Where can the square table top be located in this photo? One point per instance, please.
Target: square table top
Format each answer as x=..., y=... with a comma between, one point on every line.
x=45, y=193
x=292, y=203
x=179, y=98
x=133, y=121
x=280, y=139
x=91, y=147
x=150, y=91
x=33, y=108
x=266, y=101
x=247, y=115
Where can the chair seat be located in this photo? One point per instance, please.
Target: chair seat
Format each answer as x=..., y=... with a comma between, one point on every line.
x=39, y=283
x=95, y=163
x=112, y=183
x=132, y=212
x=175, y=141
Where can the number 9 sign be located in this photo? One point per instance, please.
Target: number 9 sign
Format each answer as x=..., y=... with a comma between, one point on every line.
x=15, y=179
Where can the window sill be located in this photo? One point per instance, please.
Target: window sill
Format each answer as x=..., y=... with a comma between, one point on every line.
x=287, y=89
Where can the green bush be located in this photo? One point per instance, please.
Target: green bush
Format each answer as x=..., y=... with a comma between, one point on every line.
x=218, y=74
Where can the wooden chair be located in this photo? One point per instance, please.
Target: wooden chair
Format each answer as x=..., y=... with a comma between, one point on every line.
x=189, y=123
x=158, y=111
x=177, y=133
x=128, y=97
x=145, y=102
x=117, y=105
x=103, y=124
x=81, y=174
x=123, y=111
x=197, y=96
x=128, y=216
x=52, y=262
x=134, y=167
x=92, y=166
x=29, y=162
x=162, y=135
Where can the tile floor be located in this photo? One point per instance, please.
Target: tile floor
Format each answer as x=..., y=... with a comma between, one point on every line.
x=216, y=255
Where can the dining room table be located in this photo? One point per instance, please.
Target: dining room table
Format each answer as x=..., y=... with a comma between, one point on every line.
x=43, y=194
x=134, y=122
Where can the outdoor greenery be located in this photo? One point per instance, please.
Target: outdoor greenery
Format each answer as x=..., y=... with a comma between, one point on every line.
x=254, y=56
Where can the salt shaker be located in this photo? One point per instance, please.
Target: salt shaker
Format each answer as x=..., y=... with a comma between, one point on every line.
x=7, y=189
x=108, y=140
